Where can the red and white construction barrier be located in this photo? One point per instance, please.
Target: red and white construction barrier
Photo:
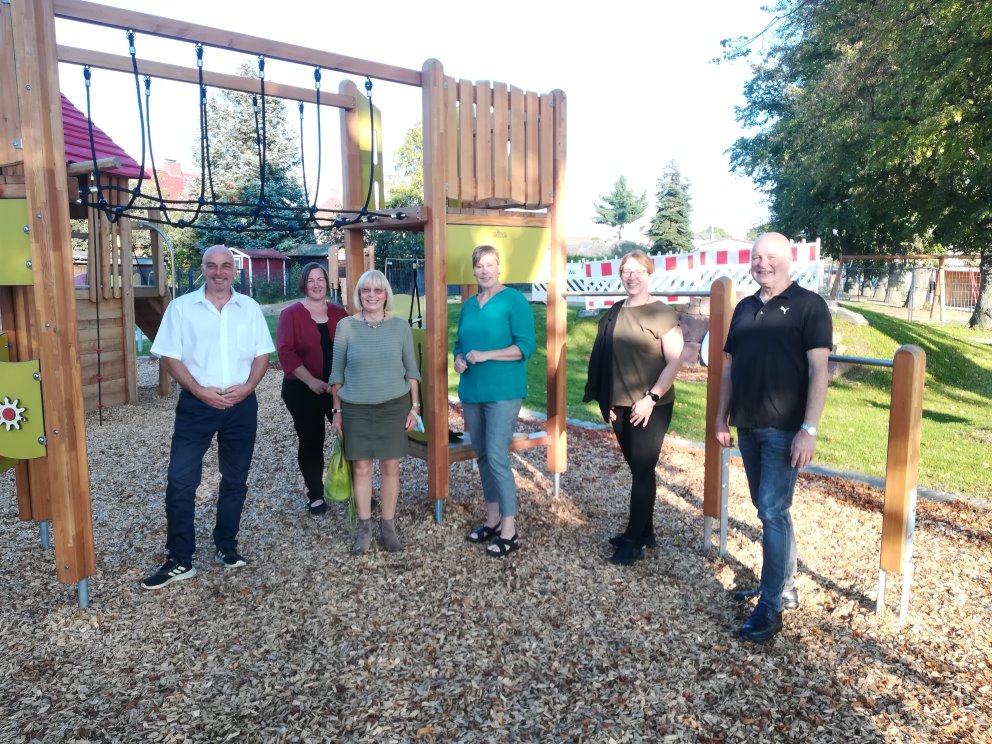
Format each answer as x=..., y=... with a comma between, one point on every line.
x=693, y=271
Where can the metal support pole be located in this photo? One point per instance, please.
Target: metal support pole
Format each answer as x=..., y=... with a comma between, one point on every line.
x=907, y=570
x=439, y=510
x=45, y=534
x=557, y=486
x=880, y=600
x=725, y=497
x=83, y=591
x=707, y=533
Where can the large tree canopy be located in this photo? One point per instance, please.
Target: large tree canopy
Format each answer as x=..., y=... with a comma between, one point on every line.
x=670, y=230
x=873, y=126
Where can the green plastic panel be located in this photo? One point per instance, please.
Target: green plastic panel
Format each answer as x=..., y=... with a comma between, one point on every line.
x=22, y=420
x=15, y=244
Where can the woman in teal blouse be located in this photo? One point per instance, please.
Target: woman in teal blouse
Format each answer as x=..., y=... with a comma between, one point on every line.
x=495, y=338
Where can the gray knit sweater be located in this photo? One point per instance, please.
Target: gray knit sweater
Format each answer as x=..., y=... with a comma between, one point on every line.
x=373, y=365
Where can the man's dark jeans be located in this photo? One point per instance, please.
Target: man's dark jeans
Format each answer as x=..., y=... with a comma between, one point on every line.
x=196, y=425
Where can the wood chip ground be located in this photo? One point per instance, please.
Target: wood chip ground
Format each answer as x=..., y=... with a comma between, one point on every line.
x=441, y=643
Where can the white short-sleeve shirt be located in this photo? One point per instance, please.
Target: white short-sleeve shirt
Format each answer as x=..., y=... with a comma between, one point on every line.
x=217, y=346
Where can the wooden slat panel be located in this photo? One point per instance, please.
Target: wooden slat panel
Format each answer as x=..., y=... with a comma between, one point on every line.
x=110, y=393
x=127, y=297
x=109, y=370
x=466, y=142
x=546, y=146
x=451, y=137
x=489, y=217
x=92, y=246
x=12, y=191
x=518, y=169
x=87, y=312
x=483, y=141
x=103, y=256
x=501, y=166
x=533, y=157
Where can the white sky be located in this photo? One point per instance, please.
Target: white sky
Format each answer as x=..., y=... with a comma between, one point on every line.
x=638, y=77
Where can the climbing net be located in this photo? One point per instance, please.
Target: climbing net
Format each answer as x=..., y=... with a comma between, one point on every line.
x=263, y=215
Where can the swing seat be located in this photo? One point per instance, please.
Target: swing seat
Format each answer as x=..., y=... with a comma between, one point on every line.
x=458, y=448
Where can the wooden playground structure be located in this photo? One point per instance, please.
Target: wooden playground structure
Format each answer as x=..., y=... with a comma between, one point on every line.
x=494, y=168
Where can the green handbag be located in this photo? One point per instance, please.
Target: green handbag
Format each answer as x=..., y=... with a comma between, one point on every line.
x=337, y=483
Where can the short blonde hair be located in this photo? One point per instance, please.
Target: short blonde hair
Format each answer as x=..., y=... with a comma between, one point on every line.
x=375, y=278
x=483, y=250
x=641, y=257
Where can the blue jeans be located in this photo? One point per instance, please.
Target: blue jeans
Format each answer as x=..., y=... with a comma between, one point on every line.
x=772, y=480
x=196, y=425
x=491, y=427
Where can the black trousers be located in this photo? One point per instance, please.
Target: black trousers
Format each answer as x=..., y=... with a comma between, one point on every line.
x=641, y=447
x=309, y=412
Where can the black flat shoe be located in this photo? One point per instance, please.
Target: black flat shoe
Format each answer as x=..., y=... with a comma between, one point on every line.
x=648, y=542
x=482, y=534
x=628, y=553
x=763, y=624
x=790, y=597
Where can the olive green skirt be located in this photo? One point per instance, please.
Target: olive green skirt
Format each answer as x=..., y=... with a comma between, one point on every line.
x=375, y=432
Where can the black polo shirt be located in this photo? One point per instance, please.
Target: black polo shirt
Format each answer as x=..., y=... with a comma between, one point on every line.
x=769, y=370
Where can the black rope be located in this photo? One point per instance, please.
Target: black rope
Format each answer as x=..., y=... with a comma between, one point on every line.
x=235, y=216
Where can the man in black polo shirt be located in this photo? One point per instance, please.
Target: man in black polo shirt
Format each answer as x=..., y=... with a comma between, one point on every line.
x=773, y=390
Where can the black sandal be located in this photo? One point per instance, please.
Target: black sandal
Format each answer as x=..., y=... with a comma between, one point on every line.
x=504, y=546
x=482, y=534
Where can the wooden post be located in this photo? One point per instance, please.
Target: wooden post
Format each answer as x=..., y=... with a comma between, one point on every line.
x=54, y=309
x=722, y=301
x=938, y=294
x=353, y=196
x=435, y=276
x=836, y=288
x=903, y=462
x=557, y=311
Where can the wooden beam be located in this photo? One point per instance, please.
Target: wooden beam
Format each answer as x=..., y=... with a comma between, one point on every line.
x=353, y=193
x=101, y=15
x=120, y=63
x=88, y=166
x=499, y=217
x=909, y=368
x=722, y=301
x=557, y=316
x=435, y=367
x=54, y=308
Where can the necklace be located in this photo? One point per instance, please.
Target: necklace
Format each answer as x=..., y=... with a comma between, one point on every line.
x=373, y=323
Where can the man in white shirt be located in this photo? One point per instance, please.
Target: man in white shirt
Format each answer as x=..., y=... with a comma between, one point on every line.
x=216, y=345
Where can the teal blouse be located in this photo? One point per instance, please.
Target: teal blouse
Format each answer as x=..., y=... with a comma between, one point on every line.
x=506, y=319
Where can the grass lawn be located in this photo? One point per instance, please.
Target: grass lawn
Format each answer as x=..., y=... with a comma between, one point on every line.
x=956, y=446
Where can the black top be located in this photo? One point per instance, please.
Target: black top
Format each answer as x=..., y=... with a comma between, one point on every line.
x=326, y=349
x=769, y=369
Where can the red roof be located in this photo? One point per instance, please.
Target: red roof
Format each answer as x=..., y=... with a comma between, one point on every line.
x=77, y=143
x=265, y=253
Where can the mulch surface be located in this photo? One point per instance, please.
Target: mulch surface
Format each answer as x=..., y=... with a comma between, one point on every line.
x=441, y=643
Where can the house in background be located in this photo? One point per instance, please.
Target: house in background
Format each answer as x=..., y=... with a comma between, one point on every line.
x=265, y=265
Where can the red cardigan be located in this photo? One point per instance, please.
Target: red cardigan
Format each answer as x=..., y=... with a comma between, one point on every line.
x=298, y=340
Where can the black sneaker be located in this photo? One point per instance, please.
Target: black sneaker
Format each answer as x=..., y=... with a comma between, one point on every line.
x=317, y=507
x=169, y=572
x=230, y=560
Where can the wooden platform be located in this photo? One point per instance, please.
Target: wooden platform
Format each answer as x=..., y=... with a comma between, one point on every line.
x=462, y=449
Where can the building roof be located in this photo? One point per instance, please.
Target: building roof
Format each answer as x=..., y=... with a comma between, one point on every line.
x=77, y=144
x=264, y=253
x=311, y=250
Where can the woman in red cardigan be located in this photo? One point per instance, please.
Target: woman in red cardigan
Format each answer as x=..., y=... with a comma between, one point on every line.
x=305, y=342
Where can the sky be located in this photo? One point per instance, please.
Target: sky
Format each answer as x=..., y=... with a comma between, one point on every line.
x=639, y=79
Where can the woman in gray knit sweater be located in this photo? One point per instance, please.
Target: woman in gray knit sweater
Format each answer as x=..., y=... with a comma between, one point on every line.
x=375, y=383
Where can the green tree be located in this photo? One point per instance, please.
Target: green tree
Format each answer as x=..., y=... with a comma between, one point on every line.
x=236, y=175
x=670, y=230
x=873, y=129
x=712, y=232
x=620, y=207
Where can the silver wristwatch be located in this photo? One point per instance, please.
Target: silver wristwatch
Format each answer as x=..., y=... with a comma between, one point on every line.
x=811, y=430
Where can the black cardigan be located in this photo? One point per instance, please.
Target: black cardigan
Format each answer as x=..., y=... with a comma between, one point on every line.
x=599, y=382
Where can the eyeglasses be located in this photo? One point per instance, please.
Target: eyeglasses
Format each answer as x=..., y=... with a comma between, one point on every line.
x=628, y=274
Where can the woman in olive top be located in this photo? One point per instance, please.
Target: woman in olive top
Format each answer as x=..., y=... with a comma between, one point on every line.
x=376, y=385
x=632, y=368
x=495, y=338
x=305, y=342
